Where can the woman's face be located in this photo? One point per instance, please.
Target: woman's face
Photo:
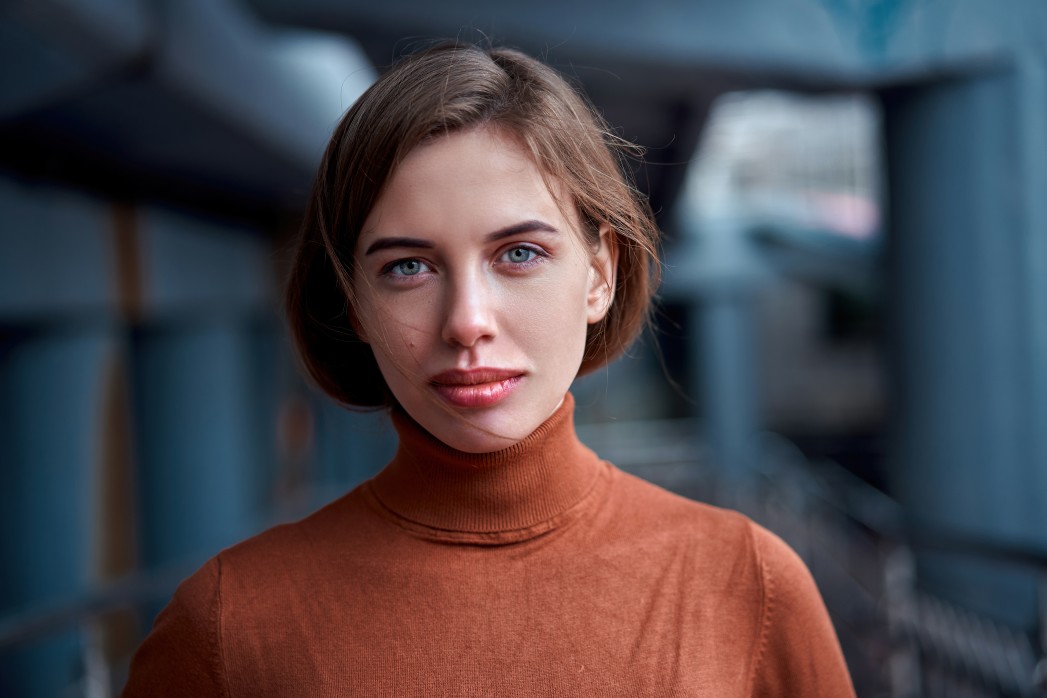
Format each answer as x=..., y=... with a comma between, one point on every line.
x=475, y=289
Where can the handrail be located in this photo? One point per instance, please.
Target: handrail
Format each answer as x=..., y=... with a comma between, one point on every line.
x=126, y=592
x=845, y=492
x=988, y=548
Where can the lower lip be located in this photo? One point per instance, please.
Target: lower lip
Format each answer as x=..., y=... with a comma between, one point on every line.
x=479, y=395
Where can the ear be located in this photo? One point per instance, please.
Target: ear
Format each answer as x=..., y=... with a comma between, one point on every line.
x=602, y=273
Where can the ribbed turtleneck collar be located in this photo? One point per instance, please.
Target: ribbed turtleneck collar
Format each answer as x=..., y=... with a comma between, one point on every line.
x=504, y=496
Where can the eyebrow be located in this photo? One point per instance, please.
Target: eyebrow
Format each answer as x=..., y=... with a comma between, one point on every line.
x=528, y=226
x=387, y=243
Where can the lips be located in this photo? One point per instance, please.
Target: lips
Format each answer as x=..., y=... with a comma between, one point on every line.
x=479, y=387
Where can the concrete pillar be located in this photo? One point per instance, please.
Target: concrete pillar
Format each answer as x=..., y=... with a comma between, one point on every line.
x=196, y=444
x=967, y=254
x=719, y=274
x=724, y=356
x=58, y=346
x=51, y=394
x=202, y=452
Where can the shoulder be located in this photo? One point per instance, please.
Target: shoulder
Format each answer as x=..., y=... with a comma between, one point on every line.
x=237, y=595
x=746, y=575
x=785, y=576
x=648, y=507
x=713, y=546
x=183, y=653
x=798, y=652
x=293, y=545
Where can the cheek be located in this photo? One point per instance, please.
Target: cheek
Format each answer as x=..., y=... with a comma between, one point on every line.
x=394, y=330
x=554, y=315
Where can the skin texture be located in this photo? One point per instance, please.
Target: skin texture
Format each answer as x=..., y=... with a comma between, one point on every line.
x=469, y=262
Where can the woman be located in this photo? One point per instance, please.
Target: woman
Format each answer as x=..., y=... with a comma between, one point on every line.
x=471, y=247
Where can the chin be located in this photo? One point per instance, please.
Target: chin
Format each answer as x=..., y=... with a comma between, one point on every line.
x=482, y=430
x=473, y=434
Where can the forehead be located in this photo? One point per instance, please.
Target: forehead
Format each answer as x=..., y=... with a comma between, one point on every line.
x=479, y=178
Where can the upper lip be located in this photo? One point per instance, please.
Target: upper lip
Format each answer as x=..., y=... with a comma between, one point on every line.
x=474, y=376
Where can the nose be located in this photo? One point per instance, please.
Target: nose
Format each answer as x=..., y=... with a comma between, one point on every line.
x=469, y=315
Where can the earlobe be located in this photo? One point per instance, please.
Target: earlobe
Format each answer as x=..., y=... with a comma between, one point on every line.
x=602, y=273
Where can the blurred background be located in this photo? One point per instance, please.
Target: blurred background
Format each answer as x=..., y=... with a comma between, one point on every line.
x=850, y=344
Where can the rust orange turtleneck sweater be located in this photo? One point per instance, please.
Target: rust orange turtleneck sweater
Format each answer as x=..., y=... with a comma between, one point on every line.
x=534, y=571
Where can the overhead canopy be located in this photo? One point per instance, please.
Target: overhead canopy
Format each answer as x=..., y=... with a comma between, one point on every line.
x=222, y=99
x=195, y=97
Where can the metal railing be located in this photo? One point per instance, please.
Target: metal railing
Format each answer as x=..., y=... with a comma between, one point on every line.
x=83, y=615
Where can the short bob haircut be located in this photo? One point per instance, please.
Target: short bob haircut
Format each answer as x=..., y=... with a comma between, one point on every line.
x=445, y=89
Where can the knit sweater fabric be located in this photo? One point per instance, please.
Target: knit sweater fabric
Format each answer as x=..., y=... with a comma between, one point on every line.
x=538, y=570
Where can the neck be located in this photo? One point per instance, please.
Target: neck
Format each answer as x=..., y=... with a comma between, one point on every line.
x=527, y=486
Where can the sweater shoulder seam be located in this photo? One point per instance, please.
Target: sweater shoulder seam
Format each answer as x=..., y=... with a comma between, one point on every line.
x=218, y=654
x=766, y=607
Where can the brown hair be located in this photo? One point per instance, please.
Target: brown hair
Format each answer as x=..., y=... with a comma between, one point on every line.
x=445, y=89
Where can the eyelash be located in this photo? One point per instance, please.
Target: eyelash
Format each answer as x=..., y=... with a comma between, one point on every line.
x=388, y=269
x=538, y=255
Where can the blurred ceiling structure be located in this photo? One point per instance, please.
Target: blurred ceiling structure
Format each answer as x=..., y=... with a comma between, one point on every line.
x=229, y=103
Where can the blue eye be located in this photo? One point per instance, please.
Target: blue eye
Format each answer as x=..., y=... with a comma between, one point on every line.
x=520, y=255
x=407, y=267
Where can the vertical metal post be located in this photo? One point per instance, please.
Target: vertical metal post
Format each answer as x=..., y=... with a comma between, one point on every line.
x=722, y=338
x=903, y=666
x=1040, y=674
x=718, y=275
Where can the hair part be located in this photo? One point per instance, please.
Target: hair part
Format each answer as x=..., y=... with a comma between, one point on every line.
x=446, y=89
